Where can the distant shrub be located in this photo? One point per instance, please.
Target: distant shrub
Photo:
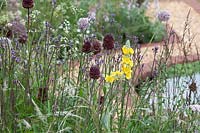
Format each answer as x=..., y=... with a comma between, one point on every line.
x=126, y=21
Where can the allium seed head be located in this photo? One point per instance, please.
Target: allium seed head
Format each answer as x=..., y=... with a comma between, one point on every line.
x=108, y=42
x=94, y=72
x=27, y=3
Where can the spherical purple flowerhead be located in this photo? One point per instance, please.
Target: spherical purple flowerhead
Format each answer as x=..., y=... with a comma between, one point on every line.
x=83, y=23
x=87, y=47
x=163, y=16
x=27, y=3
x=96, y=46
x=18, y=31
x=108, y=42
x=94, y=72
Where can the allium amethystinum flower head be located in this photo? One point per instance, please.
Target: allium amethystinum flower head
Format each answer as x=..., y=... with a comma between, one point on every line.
x=163, y=16
x=83, y=23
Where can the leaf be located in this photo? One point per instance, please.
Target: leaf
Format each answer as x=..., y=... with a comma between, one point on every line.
x=128, y=43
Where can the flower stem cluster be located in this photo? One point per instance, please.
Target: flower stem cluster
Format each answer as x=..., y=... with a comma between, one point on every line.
x=126, y=65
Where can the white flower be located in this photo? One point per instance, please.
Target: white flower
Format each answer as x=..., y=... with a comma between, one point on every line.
x=83, y=23
x=106, y=18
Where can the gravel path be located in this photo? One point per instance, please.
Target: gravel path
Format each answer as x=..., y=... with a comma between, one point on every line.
x=179, y=10
x=191, y=43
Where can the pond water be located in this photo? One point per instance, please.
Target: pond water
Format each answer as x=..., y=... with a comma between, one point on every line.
x=177, y=91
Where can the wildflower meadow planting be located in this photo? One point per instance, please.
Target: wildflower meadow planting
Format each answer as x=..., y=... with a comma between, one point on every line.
x=104, y=66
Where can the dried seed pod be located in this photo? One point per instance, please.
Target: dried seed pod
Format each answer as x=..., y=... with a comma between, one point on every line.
x=94, y=72
x=108, y=42
x=43, y=94
x=193, y=86
x=101, y=100
x=27, y=3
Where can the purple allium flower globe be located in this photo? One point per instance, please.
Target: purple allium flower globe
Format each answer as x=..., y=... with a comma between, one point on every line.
x=83, y=23
x=87, y=47
x=108, y=42
x=96, y=46
x=27, y=3
x=163, y=16
x=94, y=72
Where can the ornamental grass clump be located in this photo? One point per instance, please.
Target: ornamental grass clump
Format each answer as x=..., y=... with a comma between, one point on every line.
x=126, y=65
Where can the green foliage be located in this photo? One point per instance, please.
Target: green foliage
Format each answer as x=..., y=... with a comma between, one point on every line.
x=183, y=69
x=75, y=102
x=127, y=22
x=3, y=13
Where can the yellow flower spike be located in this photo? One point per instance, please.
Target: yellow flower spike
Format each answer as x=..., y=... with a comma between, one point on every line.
x=128, y=76
x=113, y=74
x=131, y=51
x=127, y=60
x=110, y=79
x=126, y=69
x=127, y=50
x=119, y=73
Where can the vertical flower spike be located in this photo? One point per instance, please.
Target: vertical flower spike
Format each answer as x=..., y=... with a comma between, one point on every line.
x=108, y=42
x=94, y=72
x=126, y=65
x=28, y=3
